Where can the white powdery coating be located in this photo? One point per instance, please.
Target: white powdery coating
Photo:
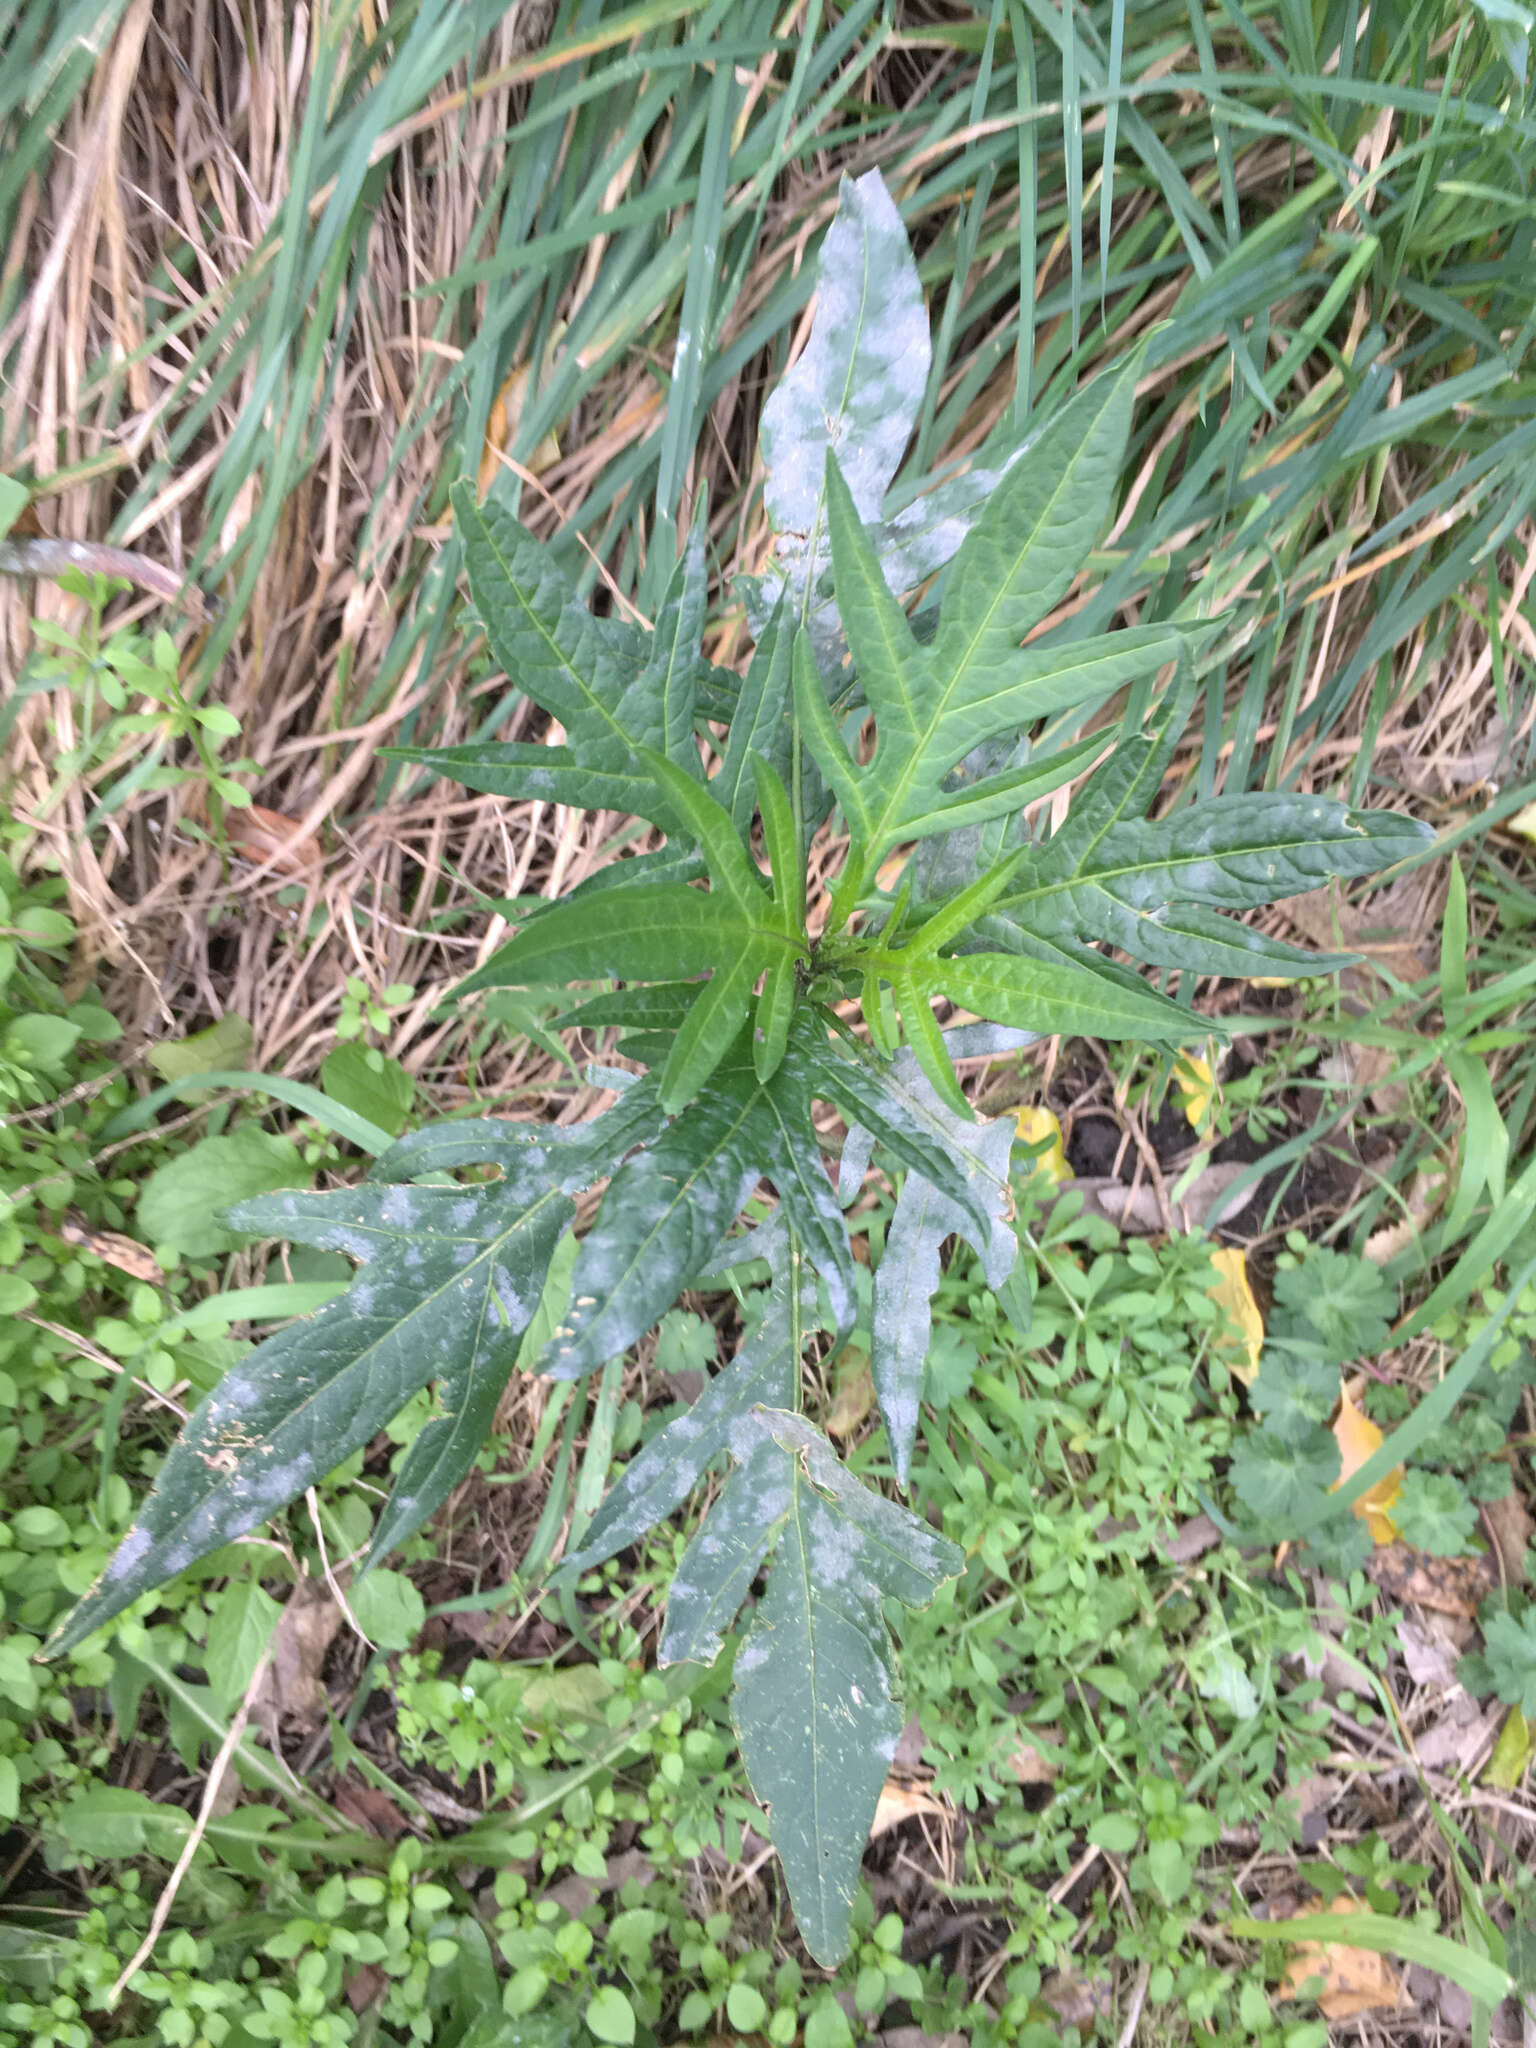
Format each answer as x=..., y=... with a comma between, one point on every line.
x=744, y=1435
x=396, y=1206
x=277, y=1485
x=754, y=1651
x=236, y=1395
x=858, y=385
x=356, y=1244
x=508, y=1296
x=129, y=1552
x=834, y=1549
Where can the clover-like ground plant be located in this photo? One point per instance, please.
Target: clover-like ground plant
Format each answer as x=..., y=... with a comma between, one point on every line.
x=743, y=1006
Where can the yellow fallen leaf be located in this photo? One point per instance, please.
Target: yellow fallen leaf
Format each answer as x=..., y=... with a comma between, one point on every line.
x=1240, y=1343
x=1511, y=1753
x=501, y=427
x=1195, y=1085
x=1358, y=1438
x=1524, y=822
x=853, y=1392
x=1355, y=1980
x=1040, y=1127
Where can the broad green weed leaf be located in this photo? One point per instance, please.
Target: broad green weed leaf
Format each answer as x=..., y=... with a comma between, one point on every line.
x=1018, y=560
x=739, y=931
x=1294, y=1389
x=907, y=1277
x=1510, y=1651
x=370, y=1083
x=1155, y=888
x=613, y=686
x=444, y=1453
x=671, y=1205
x=14, y=498
x=610, y=2017
x=935, y=706
x=228, y=1043
x=726, y=1553
x=1032, y=996
x=650, y=933
x=451, y=1277
x=978, y=801
x=895, y=1107
x=711, y=1026
x=671, y=672
x=760, y=730
x=518, y=770
x=388, y=1609
x=815, y=1701
x=1432, y=1512
x=857, y=388
x=1346, y=1301
x=656, y=1006
x=239, y=1629
x=764, y=1373
x=1282, y=1469
x=180, y=1203
x=571, y=1158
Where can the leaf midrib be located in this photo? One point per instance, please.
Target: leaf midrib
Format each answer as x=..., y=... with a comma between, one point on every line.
x=917, y=769
x=563, y=660
x=684, y=1188
x=1101, y=878
x=298, y=1413
x=948, y=688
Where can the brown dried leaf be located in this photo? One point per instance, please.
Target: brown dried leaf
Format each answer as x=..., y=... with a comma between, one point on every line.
x=1510, y=1527
x=1448, y=1585
x=904, y=1802
x=1425, y=1192
x=1192, y=1539
x=1314, y=1795
x=304, y=1633
x=1078, y=2001
x=1029, y=1763
x=909, y=1750
x=1462, y=1737
x=1203, y=1205
x=369, y=1809
x=1386, y=931
x=259, y=835
x=366, y=1986
x=1429, y=1654
x=1355, y=1980
x=125, y=1253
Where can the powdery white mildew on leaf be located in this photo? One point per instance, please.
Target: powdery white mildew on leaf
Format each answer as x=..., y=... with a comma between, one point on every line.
x=815, y=1699
x=860, y=379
